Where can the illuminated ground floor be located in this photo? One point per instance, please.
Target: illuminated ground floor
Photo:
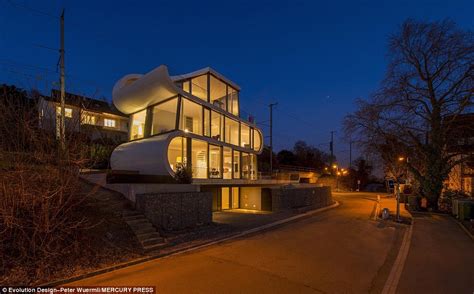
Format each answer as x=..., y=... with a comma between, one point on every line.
x=240, y=197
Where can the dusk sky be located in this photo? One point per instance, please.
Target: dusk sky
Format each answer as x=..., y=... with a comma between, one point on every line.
x=312, y=57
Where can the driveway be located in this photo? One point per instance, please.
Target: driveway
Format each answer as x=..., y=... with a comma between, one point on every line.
x=337, y=251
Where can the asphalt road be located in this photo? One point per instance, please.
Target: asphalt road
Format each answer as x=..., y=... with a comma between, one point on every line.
x=337, y=251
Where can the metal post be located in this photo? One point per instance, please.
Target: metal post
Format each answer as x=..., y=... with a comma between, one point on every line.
x=271, y=137
x=62, y=126
x=398, y=200
x=331, y=148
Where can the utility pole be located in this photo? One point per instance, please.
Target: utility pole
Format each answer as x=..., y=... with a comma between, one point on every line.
x=62, y=126
x=271, y=136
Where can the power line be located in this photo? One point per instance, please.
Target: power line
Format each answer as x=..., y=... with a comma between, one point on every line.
x=22, y=6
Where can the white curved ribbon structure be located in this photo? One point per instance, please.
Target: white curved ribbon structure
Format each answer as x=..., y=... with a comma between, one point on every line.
x=135, y=92
x=148, y=154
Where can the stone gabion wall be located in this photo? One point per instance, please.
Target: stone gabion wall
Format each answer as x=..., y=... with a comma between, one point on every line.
x=285, y=198
x=176, y=211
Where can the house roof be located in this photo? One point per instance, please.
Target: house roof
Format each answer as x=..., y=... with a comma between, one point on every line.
x=83, y=102
x=205, y=71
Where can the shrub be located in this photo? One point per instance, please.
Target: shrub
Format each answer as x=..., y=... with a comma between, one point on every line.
x=184, y=175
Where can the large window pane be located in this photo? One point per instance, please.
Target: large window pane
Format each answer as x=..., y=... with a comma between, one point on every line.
x=233, y=101
x=215, y=162
x=253, y=167
x=217, y=125
x=245, y=136
x=231, y=131
x=137, y=129
x=191, y=117
x=246, y=166
x=207, y=122
x=177, y=153
x=227, y=163
x=199, y=159
x=257, y=140
x=218, y=93
x=199, y=87
x=236, y=169
x=164, y=117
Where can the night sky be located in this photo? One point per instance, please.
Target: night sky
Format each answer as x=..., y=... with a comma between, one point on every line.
x=313, y=58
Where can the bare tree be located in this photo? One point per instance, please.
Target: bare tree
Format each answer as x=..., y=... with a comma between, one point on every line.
x=429, y=83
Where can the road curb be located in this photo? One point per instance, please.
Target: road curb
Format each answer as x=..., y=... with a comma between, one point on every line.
x=465, y=230
x=191, y=248
x=397, y=268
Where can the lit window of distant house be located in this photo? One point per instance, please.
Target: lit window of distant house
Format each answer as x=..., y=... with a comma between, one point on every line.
x=67, y=111
x=109, y=122
x=87, y=119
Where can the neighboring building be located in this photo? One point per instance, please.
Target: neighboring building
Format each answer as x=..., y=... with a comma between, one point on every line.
x=96, y=119
x=191, y=121
x=461, y=177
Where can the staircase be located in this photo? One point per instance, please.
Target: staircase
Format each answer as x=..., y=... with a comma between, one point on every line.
x=146, y=234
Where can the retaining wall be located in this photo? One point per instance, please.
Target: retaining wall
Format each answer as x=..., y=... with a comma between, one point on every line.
x=176, y=211
x=286, y=198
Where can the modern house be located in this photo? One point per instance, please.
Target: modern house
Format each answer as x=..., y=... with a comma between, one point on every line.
x=93, y=118
x=190, y=121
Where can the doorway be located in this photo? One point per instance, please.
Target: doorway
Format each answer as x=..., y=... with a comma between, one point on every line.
x=230, y=198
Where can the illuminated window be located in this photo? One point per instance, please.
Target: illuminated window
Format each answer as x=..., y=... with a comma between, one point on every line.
x=137, y=130
x=177, y=153
x=164, y=117
x=207, y=121
x=257, y=140
x=108, y=122
x=245, y=136
x=233, y=100
x=236, y=163
x=215, y=162
x=227, y=164
x=191, y=117
x=88, y=119
x=218, y=93
x=199, y=158
x=231, y=131
x=67, y=112
x=199, y=87
x=217, y=126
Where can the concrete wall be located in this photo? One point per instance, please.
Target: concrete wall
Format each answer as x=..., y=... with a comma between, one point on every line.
x=285, y=198
x=250, y=198
x=131, y=190
x=176, y=211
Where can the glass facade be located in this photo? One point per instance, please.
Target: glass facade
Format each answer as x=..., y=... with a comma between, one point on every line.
x=164, y=117
x=191, y=117
x=205, y=156
x=231, y=131
x=207, y=122
x=137, y=129
x=236, y=165
x=199, y=87
x=199, y=159
x=245, y=136
x=218, y=93
x=217, y=126
x=211, y=161
x=215, y=155
x=227, y=166
x=233, y=101
x=177, y=153
x=257, y=140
